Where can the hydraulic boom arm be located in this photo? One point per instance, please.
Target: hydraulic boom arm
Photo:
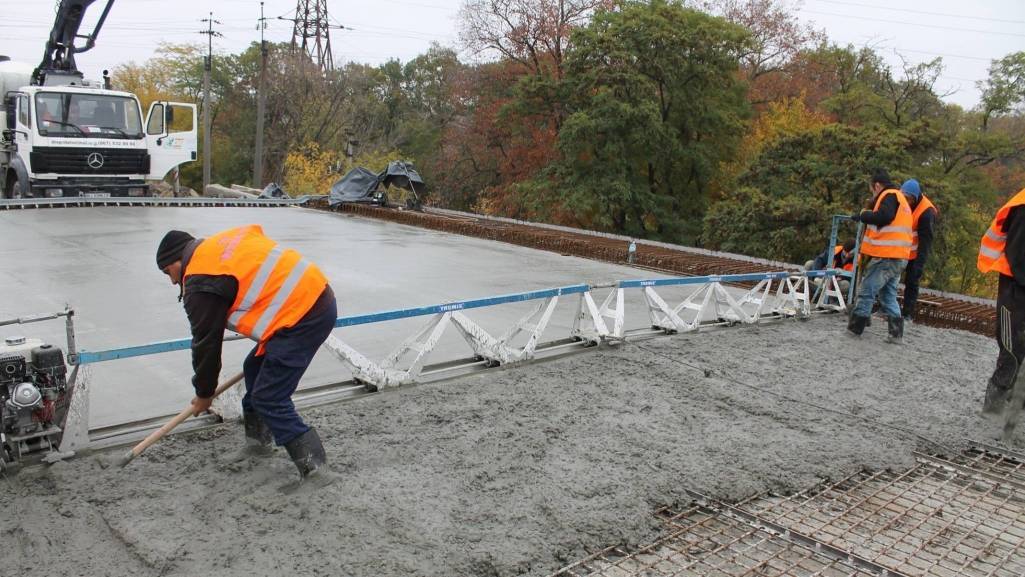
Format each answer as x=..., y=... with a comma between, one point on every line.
x=59, y=58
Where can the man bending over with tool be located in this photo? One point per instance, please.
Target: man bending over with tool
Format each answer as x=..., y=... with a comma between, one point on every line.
x=242, y=280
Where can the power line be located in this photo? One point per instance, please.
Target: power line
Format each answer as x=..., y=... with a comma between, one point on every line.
x=954, y=28
x=945, y=55
x=944, y=14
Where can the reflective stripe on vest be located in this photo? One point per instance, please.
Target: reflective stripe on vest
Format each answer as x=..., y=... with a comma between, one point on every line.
x=263, y=323
x=255, y=288
x=924, y=204
x=276, y=286
x=892, y=240
x=991, y=249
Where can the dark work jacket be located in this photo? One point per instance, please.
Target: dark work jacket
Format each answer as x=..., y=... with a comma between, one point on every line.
x=207, y=300
x=926, y=232
x=1014, y=228
x=886, y=213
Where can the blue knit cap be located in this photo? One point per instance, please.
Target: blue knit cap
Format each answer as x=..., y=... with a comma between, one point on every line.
x=911, y=188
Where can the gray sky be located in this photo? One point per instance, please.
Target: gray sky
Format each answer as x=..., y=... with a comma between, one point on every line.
x=966, y=35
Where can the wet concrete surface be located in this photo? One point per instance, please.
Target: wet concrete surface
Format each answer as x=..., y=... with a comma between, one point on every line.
x=519, y=470
x=100, y=260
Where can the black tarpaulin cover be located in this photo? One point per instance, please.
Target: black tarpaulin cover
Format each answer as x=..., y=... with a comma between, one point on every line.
x=358, y=185
x=402, y=174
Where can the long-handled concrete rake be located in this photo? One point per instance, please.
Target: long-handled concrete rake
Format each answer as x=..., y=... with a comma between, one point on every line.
x=1013, y=411
x=177, y=420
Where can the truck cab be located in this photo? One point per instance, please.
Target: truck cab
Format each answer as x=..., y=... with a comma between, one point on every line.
x=80, y=140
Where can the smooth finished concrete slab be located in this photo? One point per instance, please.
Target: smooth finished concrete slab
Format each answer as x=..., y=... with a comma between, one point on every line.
x=101, y=262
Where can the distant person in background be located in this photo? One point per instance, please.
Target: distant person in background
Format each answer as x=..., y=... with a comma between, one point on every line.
x=887, y=244
x=842, y=258
x=923, y=222
x=1003, y=250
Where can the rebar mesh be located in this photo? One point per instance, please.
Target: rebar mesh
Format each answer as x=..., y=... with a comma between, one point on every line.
x=703, y=543
x=945, y=517
x=928, y=521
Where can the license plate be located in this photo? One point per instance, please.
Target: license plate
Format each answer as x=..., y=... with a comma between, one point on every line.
x=96, y=195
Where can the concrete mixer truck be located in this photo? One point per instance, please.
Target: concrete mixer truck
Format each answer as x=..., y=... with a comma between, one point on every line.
x=62, y=135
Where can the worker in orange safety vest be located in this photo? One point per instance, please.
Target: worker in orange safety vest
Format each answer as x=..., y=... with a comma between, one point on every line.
x=1003, y=250
x=923, y=223
x=242, y=280
x=887, y=244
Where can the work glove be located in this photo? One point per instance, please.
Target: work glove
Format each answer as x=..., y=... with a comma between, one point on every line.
x=856, y=217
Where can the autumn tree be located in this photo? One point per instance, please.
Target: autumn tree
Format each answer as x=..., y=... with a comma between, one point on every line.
x=657, y=103
x=777, y=39
x=533, y=33
x=1004, y=90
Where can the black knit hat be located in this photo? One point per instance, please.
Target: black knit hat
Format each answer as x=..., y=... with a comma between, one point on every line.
x=880, y=176
x=171, y=247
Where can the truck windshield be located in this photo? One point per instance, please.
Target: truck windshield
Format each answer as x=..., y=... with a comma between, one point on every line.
x=87, y=115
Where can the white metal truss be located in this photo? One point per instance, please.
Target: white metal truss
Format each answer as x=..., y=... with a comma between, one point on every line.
x=387, y=373
x=793, y=297
x=830, y=296
x=501, y=351
x=616, y=313
x=594, y=331
x=709, y=303
x=712, y=303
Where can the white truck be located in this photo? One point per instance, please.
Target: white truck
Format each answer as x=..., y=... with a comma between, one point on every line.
x=66, y=136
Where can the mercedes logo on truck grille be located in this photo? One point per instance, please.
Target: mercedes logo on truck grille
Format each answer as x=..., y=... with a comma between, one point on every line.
x=94, y=160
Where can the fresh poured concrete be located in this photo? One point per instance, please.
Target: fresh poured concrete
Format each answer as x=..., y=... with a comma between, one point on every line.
x=521, y=470
x=101, y=262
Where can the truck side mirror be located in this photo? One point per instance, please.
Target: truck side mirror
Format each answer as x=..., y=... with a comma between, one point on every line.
x=10, y=132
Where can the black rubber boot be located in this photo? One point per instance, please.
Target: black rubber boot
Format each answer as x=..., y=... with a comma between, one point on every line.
x=307, y=452
x=995, y=400
x=258, y=439
x=895, y=330
x=856, y=325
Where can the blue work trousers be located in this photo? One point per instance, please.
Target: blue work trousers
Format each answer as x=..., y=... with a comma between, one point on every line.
x=880, y=280
x=272, y=377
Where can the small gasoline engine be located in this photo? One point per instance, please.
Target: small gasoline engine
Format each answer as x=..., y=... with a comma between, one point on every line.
x=33, y=387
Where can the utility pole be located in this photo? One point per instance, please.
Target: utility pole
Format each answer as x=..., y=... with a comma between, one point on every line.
x=207, y=64
x=261, y=104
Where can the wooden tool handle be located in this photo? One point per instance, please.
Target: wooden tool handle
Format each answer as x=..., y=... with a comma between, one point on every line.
x=177, y=420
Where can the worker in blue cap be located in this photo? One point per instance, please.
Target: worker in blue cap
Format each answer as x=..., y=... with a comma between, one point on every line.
x=923, y=223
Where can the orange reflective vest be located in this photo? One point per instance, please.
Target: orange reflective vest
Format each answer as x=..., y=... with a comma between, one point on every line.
x=276, y=286
x=894, y=239
x=991, y=251
x=924, y=204
x=836, y=252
